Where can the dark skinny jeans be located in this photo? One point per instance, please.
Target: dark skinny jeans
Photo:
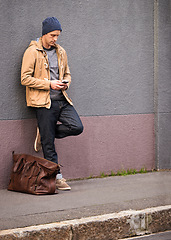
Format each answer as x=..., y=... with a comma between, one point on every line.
x=70, y=125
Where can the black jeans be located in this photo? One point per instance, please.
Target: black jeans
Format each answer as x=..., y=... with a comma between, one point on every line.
x=70, y=125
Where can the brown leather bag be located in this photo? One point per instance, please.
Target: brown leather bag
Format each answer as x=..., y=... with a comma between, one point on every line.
x=33, y=175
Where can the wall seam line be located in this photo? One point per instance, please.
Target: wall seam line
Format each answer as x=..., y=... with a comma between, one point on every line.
x=156, y=113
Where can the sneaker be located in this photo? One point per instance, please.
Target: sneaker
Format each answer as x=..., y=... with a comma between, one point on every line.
x=37, y=143
x=62, y=185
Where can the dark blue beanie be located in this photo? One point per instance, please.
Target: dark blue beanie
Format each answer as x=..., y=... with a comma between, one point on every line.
x=50, y=24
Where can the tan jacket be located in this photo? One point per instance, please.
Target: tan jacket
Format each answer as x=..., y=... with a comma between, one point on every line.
x=35, y=74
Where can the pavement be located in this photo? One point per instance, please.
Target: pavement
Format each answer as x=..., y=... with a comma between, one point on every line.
x=87, y=198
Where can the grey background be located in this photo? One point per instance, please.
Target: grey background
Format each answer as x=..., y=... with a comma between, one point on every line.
x=109, y=46
x=110, y=51
x=164, y=84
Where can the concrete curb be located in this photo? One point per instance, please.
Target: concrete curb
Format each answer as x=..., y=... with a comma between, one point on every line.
x=109, y=226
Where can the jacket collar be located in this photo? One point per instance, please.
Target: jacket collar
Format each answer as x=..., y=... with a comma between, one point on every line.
x=40, y=45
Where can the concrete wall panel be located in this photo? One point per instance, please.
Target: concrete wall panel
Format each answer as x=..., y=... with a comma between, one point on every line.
x=164, y=56
x=108, y=143
x=164, y=84
x=164, y=141
x=112, y=143
x=109, y=46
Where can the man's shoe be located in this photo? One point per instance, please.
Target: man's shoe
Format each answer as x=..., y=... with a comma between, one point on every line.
x=37, y=143
x=62, y=185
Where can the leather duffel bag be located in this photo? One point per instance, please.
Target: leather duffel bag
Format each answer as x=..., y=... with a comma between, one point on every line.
x=33, y=175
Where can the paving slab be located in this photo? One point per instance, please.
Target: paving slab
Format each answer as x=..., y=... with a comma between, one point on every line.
x=87, y=198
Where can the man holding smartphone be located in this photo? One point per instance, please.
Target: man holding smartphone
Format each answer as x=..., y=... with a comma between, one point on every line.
x=46, y=75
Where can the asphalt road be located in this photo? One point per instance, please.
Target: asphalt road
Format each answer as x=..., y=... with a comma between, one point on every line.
x=158, y=236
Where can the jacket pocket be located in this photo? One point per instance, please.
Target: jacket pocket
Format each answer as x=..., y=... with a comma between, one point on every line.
x=39, y=97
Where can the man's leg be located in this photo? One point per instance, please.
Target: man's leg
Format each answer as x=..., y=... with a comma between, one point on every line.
x=47, y=119
x=71, y=124
x=47, y=123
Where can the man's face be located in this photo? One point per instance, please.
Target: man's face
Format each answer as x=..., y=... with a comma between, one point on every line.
x=50, y=38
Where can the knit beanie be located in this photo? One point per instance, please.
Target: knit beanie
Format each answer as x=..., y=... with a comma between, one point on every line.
x=50, y=24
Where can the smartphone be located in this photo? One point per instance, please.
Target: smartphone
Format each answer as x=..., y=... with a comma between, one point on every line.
x=65, y=81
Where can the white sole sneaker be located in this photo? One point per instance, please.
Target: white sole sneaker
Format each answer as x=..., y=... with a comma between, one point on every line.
x=62, y=185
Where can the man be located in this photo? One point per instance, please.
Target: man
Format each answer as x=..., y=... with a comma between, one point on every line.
x=46, y=75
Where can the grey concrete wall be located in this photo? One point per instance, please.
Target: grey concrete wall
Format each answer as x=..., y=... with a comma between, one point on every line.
x=164, y=83
x=110, y=50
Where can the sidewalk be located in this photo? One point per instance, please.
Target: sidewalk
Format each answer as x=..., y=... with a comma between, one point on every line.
x=87, y=198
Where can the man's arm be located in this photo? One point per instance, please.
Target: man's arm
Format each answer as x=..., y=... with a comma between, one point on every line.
x=27, y=72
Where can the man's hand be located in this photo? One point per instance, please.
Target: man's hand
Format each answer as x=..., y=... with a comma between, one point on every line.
x=58, y=85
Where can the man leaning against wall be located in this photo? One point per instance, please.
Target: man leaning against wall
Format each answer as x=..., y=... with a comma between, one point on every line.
x=46, y=75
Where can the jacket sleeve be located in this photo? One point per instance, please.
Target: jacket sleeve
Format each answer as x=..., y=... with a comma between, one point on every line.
x=27, y=72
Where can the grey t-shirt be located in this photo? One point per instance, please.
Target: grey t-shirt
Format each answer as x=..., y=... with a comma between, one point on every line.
x=54, y=73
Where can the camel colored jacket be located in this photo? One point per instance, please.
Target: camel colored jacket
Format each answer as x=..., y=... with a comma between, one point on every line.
x=35, y=74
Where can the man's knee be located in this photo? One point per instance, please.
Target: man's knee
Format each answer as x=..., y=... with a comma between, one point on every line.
x=78, y=129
